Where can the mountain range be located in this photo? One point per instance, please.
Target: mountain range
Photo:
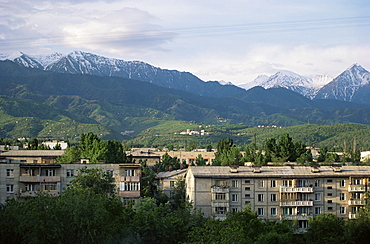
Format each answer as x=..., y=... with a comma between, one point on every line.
x=117, y=96
x=351, y=85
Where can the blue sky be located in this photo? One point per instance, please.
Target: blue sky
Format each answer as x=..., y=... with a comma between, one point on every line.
x=234, y=40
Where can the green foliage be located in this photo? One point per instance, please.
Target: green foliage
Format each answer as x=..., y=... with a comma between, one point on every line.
x=94, y=180
x=325, y=228
x=227, y=153
x=242, y=227
x=168, y=163
x=74, y=217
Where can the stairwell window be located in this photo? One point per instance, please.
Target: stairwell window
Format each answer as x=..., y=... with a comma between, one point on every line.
x=10, y=173
x=9, y=188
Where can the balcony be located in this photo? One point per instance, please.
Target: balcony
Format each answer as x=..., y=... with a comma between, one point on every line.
x=303, y=203
x=28, y=178
x=219, y=189
x=356, y=188
x=130, y=178
x=129, y=194
x=357, y=202
x=352, y=215
x=34, y=193
x=295, y=217
x=301, y=189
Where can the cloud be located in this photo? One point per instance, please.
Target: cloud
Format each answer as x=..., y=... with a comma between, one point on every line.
x=126, y=30
x=268, y=59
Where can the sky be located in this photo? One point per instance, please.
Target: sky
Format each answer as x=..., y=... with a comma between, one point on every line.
x=232, y=41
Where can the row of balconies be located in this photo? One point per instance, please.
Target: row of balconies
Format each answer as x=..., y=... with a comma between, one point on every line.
x=28, y=178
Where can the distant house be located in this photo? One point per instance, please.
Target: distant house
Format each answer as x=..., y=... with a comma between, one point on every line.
x=52, y=144
x=166, y=180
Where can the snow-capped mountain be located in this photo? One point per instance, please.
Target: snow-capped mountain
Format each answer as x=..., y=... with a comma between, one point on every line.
x=256, y=82
x=79, y=62
x=292, y=81
x=347, y=86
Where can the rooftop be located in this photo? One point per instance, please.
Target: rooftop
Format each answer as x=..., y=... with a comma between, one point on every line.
x=32, y=153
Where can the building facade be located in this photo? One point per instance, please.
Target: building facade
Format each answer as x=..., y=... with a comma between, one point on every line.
x=280, y=192
x=25, y=173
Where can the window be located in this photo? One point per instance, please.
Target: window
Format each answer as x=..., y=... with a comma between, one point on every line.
x=30, y=187
x=260, y=197
x=273, y=211
x=247, y=181
x=330, y=208
x=288, y=211
x=330, y=194
x=247, y=195
x=49, y=187
x=50, y=172
x=302, y=183
x=35, y=161
x=261, y=183
x=273, y=183
x=247, y=188
x=357, y=181
x=288, y=183
x=10, y=173
x=234, y=183
x=234, y=210
x=342, y=210
x=342, y=183
x=172, y=183
x=129, y=172
x=317, y=197
x=342, y=196
x=317, y=183
x=220, y=210
x=329, y=181
x=260, y=211
x=9, y=188
x=303, y=224
x=234, y=197
x=220, y=196
x=110, y=171
x=70, y=172
x=247, y=202
x=129, y=186
x=330, y=187
x=23, y=161
x=273, y=197
x=330, y=201
x=317, y=210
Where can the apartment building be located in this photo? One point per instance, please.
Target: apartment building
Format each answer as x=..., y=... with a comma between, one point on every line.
x=280, y=192
x=24, y=173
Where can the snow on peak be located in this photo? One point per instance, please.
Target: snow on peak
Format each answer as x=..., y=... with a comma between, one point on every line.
x=12, y=56
x=46, y=60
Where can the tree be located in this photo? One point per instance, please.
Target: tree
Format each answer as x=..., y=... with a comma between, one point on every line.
x=33, y=144
x=95, y=180
x=325, y=228
x=179, y=194
x=227, y=153
x=71, y=154
x=200, y=160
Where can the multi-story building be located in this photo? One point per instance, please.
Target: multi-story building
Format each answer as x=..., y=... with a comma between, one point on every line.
x=280, y=192
x=24, y=173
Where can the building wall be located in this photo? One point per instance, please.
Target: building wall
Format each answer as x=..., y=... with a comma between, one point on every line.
x=26, y=184
x=277, y=197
